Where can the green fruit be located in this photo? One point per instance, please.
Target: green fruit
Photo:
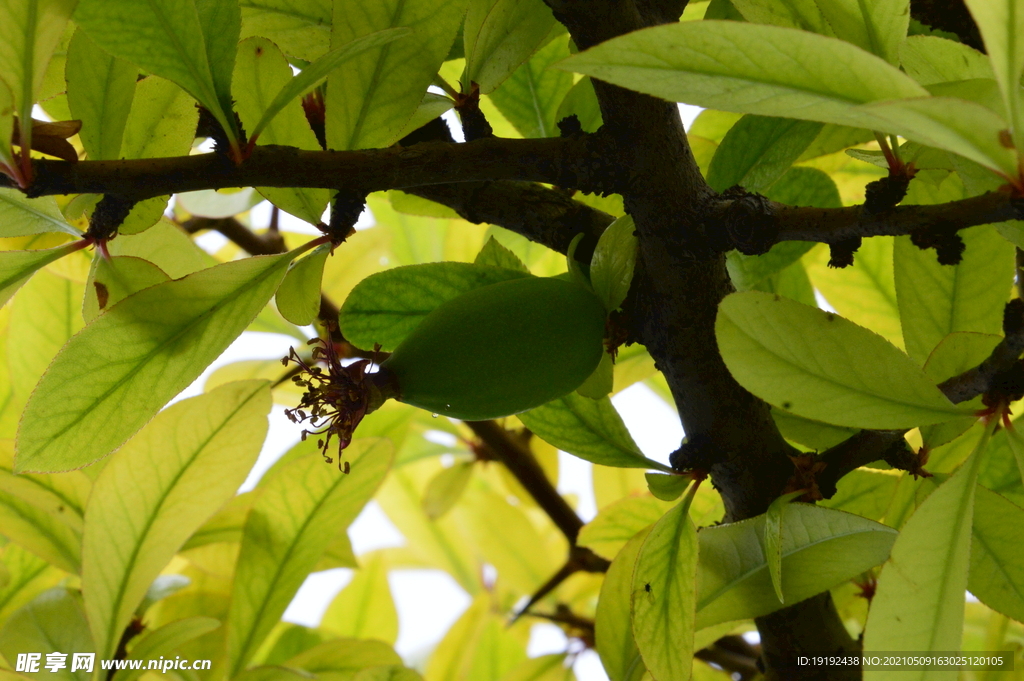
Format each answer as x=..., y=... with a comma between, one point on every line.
x=500, y=349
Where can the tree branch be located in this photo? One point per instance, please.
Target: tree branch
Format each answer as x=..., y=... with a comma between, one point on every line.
x=568, y=162
x=831, y=225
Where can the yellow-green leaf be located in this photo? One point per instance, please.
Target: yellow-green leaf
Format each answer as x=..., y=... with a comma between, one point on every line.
x=997, y=567
x=611, y=270
x=292, y=521
x=820, y=366
x=16, y=267
x=499, y=35
x=101, y=88
x=141, y=352
x=159, y=489
x=113, y=279
x=1001, y=23
x=664, y=595
x=364, y=608
x=53, y=622
x=298, y=297
x=164, y=640
x=613, y=630
x=21, y=216
x=773, y=540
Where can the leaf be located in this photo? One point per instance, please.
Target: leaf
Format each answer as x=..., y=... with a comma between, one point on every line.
x=344, y=657
x=930, y=59
x=164, y=640
x=543, y=668
x=820, y=366
x=878, y=26
x=531, y=96
x=499, y=35
x=16, y=267
x=318, y=70
x=617, y=523
x=581, y=101
x=589, y=429
x=611, y=270
x=821, y=548
x=53, y=622
x=613, y=623
x=111, y=280
x=1016, y=444
x=300, y=27
x=370, y=101
x=166, y=336
x=936, y=300
x=27, y=576
x=298, y=297
x=364, y=608
x=919, y=602
x=100, y=93
x=1001, y=23
x=173, y=475
x=956, y=125
x=758, y=150
x=22, y=216
x=667, y=487
x=385, y=307
x=996, y=575
x=41, y=533
x=30, y=31
x=297, y=513
x=62, y=495
x=955, y=354
x=167, y=38
x=802, y=14
x=445, y=489
x=600, y=383
x=493, y=254
x=747, y=68
x=664, y=594
x=865, y=293
x=773, y=539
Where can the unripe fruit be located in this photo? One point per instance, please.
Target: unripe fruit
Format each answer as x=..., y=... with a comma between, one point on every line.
x=500, y=349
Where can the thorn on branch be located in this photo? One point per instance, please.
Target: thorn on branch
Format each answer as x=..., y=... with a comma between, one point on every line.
x=346, y=207
x=570, y=126
x=841, y=252
x=108, y=215
x=886, y=193
x=948, y=245
x=474, y=124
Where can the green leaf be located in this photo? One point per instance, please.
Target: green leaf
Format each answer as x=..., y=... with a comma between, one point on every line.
x=385, y=307
x=100, y=93
x=311, y=75
x=166, y=335
x=499, y=35
x=445, y=489
x=955, y=354
x=162, y=123
x=111, y=280
x=611, y=270
x=1001, y=23
x=956, y=125
x=601, y=382
x=370, y=101
x=617, y=523
x=919, y=603
x=820, y=366
x=667, y=487
x=22, y=216
x=930, y=59
x=531, y=96
x=751, y=271
x=27, y=576
x=613, y=629
x=802, y=14
x=589, y=429
x=62, y=495
x=1016, y=443
x=167, y=38
x=364, y=608
x=300, y=27
x=16, y=267
x=40, y=532
x=812, y=434
x=164, y=640
x=997, y=567
x=773, y=540
x=758, y=150
x=53, y=622
x=297, y=513
x=205, y=443
x=936, y=300
x=866, y=492
x=261, y=70
x=30, y=31
x=493, y=254
x=747, y=68
x=663, y=599
x=342, y=658
x=298, y=297
x=878, y=26
x=581, y=101
x=821, y=548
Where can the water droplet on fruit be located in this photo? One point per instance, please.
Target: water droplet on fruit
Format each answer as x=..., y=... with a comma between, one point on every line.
x=434, y=415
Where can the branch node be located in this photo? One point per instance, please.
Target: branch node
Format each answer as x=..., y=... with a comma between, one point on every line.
x=750, y=222
x=474, y=124
x=696, y=453
x=841, y=252
x=948, y=245
x=570, y=126
x=346, y=207
x=885, y=193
